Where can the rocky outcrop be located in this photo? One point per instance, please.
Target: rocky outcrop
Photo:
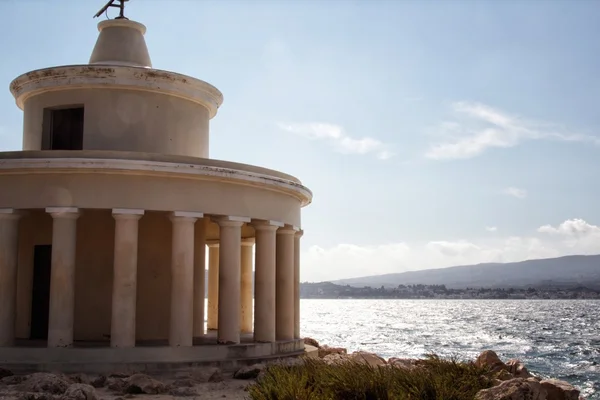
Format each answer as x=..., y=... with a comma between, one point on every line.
x=325, y=350
x=80, y=391
x=5, y=372
x=511, y=380
x=12, y=380
x=143, y=384
x=334, y=358
x=97, y=381
x=406, y=363
x=490, y=360
x=559, y=390
x=207, y=374
x=43, y=382
x=518, y=369
x=361, y=357
x=311, y=342
x=514, y=389
x=365, y=357
x=514, y=382
x=249, y=372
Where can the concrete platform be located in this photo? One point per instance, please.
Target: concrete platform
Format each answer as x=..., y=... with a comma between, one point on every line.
x=151, y=358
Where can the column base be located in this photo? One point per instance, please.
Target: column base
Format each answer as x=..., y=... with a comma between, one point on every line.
x=145, y=358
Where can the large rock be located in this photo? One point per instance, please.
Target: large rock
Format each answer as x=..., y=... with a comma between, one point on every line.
x=490, y=360
x=332, y=359
x=324, y=351
x=514, y=389
x=143, y=384
x=80, y=391
x=43, y=382
x=30, y=396
x=364, y=357
x=311, y=342
x=249, y=371
x=207, y=374
x=116, y=384
x=560, y=390
x=504, y=375
x=5, y=372
x=97, y=381
x=80, y=378
x=13, y=380
x=518, y=369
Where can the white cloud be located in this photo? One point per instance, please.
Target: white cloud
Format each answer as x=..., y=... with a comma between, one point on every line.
x=478, y=127
x=572, y=227
x=453, y=249
x=339, y=139
x=574, y=236
x=515, y=192
x=491, y=229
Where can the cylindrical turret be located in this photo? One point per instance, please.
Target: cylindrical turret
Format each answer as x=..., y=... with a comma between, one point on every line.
x=121, y=42
x=117, y=102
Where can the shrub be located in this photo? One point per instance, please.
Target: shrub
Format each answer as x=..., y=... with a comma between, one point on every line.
x=433, y=378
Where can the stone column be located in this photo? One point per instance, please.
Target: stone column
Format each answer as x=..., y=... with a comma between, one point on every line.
x=230, y=241
x=199, y=276
x=284, y=278
x=62, y=276
x=264, y=281
x=181, y=328
x=124, y=295
x=9, y=233
x=246, y=286
x=212, y=322
x=297, y=237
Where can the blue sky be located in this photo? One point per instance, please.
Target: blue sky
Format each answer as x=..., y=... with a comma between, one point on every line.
x=432, y=133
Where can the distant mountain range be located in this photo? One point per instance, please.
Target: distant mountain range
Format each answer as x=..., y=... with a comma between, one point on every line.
x=561, y=271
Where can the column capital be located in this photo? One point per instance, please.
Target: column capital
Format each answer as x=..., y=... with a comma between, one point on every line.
x=287, y=230
x=63, y=212
x=229, y=220
x=299, y=233
x=127, y=214
x=188, y=214
x=10, y=214
x=181, y=216
x=212, y=243
x=266, y=225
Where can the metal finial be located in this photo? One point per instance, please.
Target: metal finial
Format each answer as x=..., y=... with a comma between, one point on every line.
x=110, y=3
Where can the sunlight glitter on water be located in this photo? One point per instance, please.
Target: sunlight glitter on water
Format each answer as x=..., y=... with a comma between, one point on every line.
x=556, y=338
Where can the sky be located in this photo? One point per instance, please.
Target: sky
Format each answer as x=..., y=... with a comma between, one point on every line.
x=432, y=133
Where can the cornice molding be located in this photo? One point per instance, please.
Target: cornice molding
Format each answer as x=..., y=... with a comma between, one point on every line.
x=154, y=168
x=98, y=76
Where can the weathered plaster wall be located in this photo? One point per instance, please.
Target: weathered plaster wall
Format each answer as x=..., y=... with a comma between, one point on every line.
x=126, y=120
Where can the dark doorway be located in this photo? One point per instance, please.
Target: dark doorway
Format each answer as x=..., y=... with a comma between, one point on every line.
x=63, y=129
x=40, y=296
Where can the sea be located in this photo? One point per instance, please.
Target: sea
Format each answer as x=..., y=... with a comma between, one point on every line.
x=554, y=338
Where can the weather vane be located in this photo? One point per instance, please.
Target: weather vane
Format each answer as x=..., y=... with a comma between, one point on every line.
x=111, y=3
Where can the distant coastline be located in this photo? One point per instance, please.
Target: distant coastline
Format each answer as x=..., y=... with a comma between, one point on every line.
x=328, y=290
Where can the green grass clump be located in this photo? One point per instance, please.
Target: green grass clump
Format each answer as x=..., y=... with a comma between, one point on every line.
x=434, y=378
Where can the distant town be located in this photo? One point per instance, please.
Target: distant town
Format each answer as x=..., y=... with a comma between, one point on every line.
x=328, y=290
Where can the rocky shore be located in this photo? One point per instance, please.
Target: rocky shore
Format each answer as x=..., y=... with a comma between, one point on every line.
x=511, y=380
